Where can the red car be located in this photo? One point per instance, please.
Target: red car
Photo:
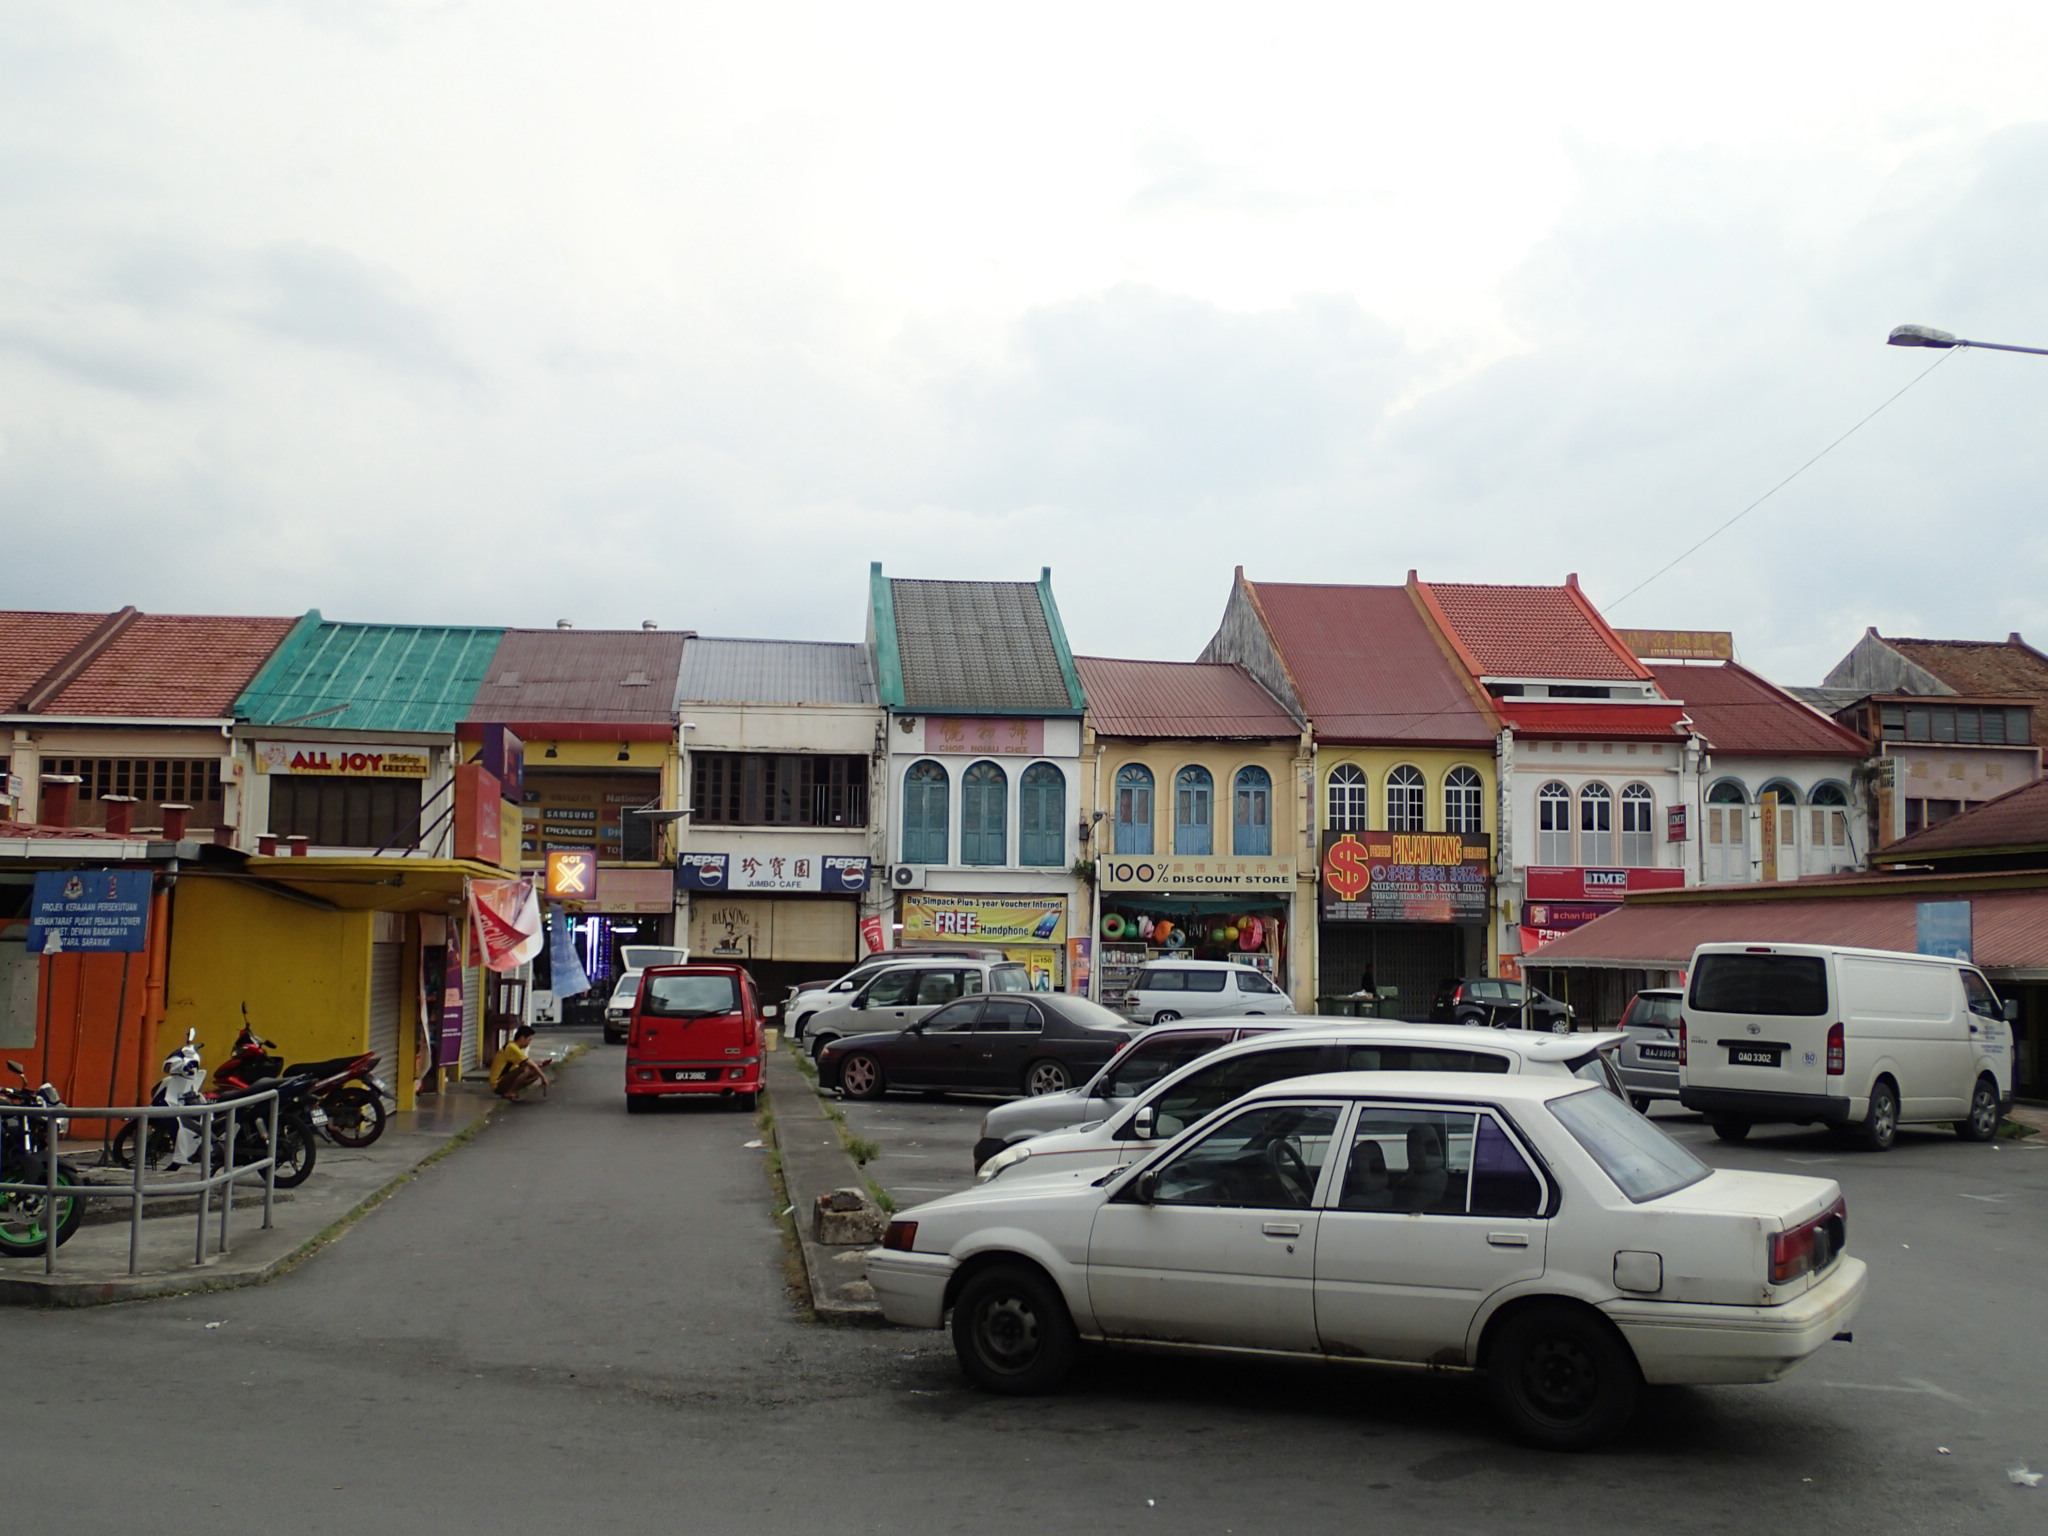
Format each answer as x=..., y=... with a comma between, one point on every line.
x=696, y=1029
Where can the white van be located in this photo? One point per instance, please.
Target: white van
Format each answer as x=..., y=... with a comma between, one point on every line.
x=1166, y=990
x=1865, y=1040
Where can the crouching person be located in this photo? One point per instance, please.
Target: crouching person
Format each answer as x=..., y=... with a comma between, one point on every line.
x=514, y=1069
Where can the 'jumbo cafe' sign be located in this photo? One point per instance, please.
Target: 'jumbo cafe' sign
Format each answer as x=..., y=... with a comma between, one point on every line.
x=338, y=758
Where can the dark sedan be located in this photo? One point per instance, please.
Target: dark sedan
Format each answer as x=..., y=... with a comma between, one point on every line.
x=997, y=1042
x=1490, y=1000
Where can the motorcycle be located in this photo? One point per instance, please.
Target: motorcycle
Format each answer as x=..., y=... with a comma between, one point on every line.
x=347, y=1095
x=25, y=1144
x=174, y=1143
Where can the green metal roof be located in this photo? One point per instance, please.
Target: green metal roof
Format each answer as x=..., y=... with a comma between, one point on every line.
x=372, y=677
x=976, y=647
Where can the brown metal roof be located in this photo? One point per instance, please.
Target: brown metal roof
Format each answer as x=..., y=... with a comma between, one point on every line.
x=561, y=676
x=2016, y=819
x=150, y=665
x=2009, y=927
x=1513, y=631
x=1369, y=668
x=1739, y=712
x=1157, y=699
x=2008, y=668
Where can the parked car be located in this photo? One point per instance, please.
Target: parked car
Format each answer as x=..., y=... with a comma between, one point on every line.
x=1498, y=1002
x=807, y=998
x=1157, y=1051
x=1648, y=1058
x=1339, y=1045
x=902, y=994
x=1031, y=1043
x=1864, y=1040
x=618, y=1008
x=696, y=1029
x=1529, y=1227
x=1165, y=990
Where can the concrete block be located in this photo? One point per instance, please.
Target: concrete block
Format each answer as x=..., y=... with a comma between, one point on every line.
x=845, y=1217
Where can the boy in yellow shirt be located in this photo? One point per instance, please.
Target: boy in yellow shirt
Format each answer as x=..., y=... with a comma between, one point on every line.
x=513, y=1070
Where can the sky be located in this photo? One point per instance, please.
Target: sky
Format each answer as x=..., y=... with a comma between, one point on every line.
x=511, y=312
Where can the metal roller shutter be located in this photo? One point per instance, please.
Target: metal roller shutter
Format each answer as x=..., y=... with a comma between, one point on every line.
x=387, y=1002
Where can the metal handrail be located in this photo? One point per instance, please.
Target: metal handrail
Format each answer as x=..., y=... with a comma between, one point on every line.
x=136, y=1193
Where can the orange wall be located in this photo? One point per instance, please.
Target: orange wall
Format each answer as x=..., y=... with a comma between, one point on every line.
x=82, y=1021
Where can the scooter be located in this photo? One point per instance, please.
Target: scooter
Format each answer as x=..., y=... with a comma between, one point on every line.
x=348, y=1097
x=25, y=1145
x=183, y=1084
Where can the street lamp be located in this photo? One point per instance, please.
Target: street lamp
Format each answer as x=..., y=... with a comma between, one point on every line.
x=1927, y=336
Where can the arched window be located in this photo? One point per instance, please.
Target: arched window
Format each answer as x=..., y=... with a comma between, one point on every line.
x=1596, y=824
x=1553, y=824
x=1193, y=790
x=1405, y=792
x=1133, y=809
x=1464, y=804
x=1638, y=826
x=1786, y=791
x=925, y=809
x=1350, y=809
x=1042, y=816
x=1727, y=792
x=1829, y=794
x=984, y=815
x=1251, y=827
x=1829, y=848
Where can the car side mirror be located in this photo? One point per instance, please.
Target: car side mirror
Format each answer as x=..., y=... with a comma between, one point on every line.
x=1145, y=1186
x=1145, y=1123
x=770, y=1011
x=2011, y=1010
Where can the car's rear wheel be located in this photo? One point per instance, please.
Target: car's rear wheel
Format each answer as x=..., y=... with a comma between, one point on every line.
x=1880, y=1127
x=860, y=1077
x=1561, y=1377
x=1046, y=1077
x=1164, y=1016
x=1982, y=1125
x=1639, y=1102
x=1012, y=1332
x=1732, y=1130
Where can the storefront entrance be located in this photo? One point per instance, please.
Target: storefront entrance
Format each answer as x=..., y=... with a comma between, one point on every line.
x=1411, y=958
x=1138, y=926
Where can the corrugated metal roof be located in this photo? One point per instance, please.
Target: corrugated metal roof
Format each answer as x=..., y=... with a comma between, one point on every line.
x=1571, y=720
x=980, y=645
x=379, y=677
x=1157, y=699
x=549, y=676
x=1737, y=711
x=2008, y=667
x=1512, y=631
x=2009, y=929
x=1368, y=667
x=719, y=671
x=2016, y=819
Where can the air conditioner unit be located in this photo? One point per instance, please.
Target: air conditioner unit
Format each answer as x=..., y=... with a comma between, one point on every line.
x=906, y=877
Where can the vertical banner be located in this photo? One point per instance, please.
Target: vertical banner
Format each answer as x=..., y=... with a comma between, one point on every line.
x=1767, y=833
x=1080, y=951
x=453, y=1007
x=563, y=964
x=871, y=933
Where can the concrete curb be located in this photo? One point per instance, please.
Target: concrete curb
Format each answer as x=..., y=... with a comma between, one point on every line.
x=233, y=1272
x=815, y=1162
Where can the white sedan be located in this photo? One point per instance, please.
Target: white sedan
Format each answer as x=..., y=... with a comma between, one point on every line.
x=1533, y=1228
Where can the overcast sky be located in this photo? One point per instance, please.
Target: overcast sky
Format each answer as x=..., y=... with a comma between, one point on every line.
x=506, y=312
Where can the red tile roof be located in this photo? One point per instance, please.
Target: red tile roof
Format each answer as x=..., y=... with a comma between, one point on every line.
x=1505, y=631
x=1737, y=711
x=154, y=666
x=2016, y=819
x=1571, y=720
x=1158, y=699
x=1980, y=668
x=1369, y=667
x=32, y=643
x=2009, y=929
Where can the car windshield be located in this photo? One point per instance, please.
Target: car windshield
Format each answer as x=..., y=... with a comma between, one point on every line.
x=1011, y=978
x=626, y=989
x=1642, y=1161
x=686, y=997
x=1660, y=1009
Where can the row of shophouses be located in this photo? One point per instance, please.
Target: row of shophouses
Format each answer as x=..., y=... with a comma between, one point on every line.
x=1354, y=787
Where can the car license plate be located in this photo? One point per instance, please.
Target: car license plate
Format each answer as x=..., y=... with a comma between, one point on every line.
x=1658, y=1052
x=1754, y=1055
x=689, y=1077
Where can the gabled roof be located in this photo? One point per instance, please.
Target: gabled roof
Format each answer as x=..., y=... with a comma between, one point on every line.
x=1984, y=668
x=129, y=664
x=1738, y=712
x=376, y=677
x=2017, y=821
x=1534, y=632
x=1577, y=720
x=975, y=647
x=1368, y=667
x=1175, y=699
x=552, y=676
x=716, y=671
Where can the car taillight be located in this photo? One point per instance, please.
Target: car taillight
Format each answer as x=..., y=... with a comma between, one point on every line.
x=901, y=1236
x=1810, y=1246
x=1836, y=1052
x=1681, y=1040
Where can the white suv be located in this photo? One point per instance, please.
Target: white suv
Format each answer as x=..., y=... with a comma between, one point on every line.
x=901, y=995
x=1166, y=990
x=1177, y=1101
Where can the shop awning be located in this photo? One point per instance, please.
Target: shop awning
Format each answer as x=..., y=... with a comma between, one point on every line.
x=2009, y=929
x=373, y=884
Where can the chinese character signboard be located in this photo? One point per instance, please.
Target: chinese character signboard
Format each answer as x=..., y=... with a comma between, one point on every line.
x=99, y=911
x=993, y=919
x=832, y=874
x=1406, y=877
x=984, y=737
x=1679, y=644
x=1125, y=872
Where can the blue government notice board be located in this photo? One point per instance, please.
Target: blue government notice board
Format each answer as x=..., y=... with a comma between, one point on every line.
x=90, y=911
